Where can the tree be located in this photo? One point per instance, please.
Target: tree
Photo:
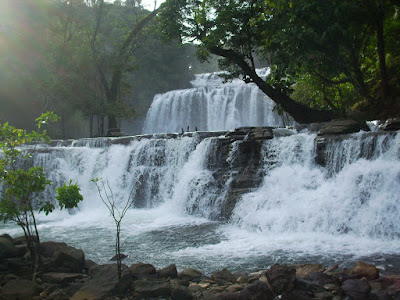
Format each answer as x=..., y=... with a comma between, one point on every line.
x=107, y=197
x=325, y=40
x=113, y=59
x=22, y=183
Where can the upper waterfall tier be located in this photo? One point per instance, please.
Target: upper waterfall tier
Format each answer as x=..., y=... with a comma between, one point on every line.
x=212, y=105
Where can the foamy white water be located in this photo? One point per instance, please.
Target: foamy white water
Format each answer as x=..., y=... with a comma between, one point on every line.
x=302, y=212
x=212, y=105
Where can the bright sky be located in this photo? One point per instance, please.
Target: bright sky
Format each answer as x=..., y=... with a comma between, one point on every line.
x=149, y=4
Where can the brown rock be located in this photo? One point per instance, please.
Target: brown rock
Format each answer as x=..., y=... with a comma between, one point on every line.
x=143, y=270
x=7, y=248
x=362, y=269
x=63, y=258
x=62, y=277
x=357, y=289
x=281, y=278
x=190, y=274
x=303, y=270
x=19, y=289
x=168, y=272
x=151, y=288
x=104, y=282
x=344, y=126
x=223, y=277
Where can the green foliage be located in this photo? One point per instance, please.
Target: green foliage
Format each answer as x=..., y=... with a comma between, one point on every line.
x=21, y=183
x=68, y=196
x=329, y=51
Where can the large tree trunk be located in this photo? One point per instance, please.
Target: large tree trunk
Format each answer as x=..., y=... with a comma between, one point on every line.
x=299, y=112
x=381, y=53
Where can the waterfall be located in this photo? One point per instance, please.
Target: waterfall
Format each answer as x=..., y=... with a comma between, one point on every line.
x=212, y=105
x=231, y=199
x=357, y=193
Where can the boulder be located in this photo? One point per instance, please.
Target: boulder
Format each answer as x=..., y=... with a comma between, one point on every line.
x=179, y=292
x=256, y=291
x=303, y=270
x=63, y=258
x=320, y=278
x=362, y=269
x=357, y=289
x=281, y=278
x=142, y=270
x=19, y=289
x=152, y=288
x=223, y=277
x=190, y=274
x=344, y=126
x=168, y=272
x=53, y=277
x=105, y=282
x=7, y=236
x=7, y=248
x=122, y=257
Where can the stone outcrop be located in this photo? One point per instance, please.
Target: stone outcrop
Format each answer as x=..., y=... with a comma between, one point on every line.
x=345, y=126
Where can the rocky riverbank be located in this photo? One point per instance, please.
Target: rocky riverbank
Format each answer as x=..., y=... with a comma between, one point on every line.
x=66, y=274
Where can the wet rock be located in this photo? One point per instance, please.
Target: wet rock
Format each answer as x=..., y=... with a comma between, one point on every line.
x=391, y=125
x=281, y=278
x=320, y=278
x=122, y=257
x=104, y=282
x=223, y=277
x=142, y=270
x=88, y=264
x=151, y=288
x=357, y=289
x=63, y=258
x=7, y=237
x=190, y=274
x=19, y=289
x=303, y=270
x=307, y=285
x=7, y=248
x=362, y=269
x=345, y=126
x=168, y=272
x=53, y=277
x=179, y=292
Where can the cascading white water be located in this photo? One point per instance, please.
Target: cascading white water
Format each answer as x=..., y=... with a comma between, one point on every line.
x=360, y=199
x=301, y=211
x=212, y=105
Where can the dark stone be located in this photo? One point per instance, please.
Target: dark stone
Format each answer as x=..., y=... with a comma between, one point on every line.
x=151, y=288
x=256, y=291
x=281, y=278
x=223, y=277
x=168, y=272
x=179, y=292
x=357, y=289
x=321, y=278
x=122, y=257
x=345, y=126
x=190, y=274
x=19, y=289
x=7, y=236
x=7, y=248
x=88, y=264
x=63, y=258
x=302, y=284
x=391, y=125
x=142, y=270
x=62, y=277
x=105, y=282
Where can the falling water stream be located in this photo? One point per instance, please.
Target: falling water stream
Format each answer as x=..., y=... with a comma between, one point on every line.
x=301, y=212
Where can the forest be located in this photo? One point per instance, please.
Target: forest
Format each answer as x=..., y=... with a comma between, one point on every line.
x=96, y=63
